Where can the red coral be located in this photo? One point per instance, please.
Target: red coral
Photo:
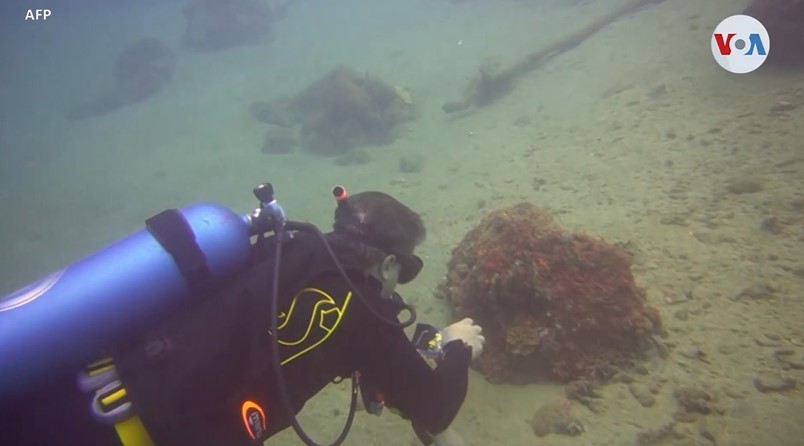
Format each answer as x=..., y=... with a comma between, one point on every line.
x=550, y=302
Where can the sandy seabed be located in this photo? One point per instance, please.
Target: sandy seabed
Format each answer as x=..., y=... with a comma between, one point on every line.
x=636, y=136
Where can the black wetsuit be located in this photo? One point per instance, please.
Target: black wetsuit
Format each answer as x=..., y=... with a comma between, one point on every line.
x=202, y=376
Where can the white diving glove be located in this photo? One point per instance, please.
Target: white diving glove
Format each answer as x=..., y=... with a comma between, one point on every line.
x=466, y=331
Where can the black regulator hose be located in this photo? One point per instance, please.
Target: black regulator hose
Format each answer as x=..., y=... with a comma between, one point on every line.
x=280, y=378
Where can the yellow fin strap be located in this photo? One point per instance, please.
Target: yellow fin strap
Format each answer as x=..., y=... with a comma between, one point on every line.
x=132, y=432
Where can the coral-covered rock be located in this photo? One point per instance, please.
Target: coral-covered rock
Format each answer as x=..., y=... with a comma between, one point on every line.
x=784, y=20
x=551, y=303
x=341, y=111
x=141, y=70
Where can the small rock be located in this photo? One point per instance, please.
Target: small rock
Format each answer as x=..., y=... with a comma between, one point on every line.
x=622, y=377
x=695, y=353
x=678, y=220
x=744, y=186
x=537, y=183
x=761, y=290
x=767, y=341
x=674, y=297
x=580, y=389
x=572, y=429
x=555, y=418
x=783, y=106
x=725, y=238
x=658, y=436
x=411, y=163
x=771, y=225
x=774, y=383
x=596, y=406
x=789, y=358
x=642, y=394
x=541, y=423
x=694, y=400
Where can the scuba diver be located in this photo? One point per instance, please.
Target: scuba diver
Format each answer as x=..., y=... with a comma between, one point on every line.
x=237, y=367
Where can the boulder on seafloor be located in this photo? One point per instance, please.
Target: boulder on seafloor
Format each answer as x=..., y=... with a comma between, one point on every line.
x=551, y=303
x=341, y=111
x=141, y=70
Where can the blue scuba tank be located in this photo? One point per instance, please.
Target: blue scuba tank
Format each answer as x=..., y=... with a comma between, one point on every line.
x=61, y=322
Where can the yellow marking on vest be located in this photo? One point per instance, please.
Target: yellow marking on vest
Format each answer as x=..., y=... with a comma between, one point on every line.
x=324, y=299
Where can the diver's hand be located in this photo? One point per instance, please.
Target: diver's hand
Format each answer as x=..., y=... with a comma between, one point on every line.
x=447, y=438
x=466, y=331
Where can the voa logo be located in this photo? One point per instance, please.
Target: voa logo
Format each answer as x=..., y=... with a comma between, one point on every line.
x=740, y=44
